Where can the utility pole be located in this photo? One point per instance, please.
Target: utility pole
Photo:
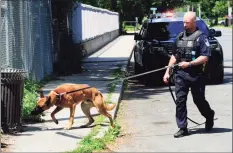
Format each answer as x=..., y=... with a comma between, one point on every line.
x=199, y=10
x=188, y=6
x=229, y=13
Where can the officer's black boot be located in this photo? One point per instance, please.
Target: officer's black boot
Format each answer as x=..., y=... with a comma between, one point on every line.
x=182, y=132
x=210, y=122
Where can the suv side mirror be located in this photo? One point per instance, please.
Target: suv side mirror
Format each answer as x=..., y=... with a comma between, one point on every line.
x=137, y=37
x=215, y=33
x=218, y=33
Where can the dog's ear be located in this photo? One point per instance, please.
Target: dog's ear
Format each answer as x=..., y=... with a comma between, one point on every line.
x=41, y=93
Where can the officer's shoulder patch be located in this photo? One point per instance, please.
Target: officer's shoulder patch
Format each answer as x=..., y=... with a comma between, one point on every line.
x=207, y=42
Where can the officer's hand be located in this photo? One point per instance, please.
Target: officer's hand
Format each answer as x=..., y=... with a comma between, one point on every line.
x=183, y=65
x=166, y=78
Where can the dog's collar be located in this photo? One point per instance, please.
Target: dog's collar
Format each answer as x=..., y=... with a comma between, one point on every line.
x=58, y=97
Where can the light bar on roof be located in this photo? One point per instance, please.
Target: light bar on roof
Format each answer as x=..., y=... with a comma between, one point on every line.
x=168, y=14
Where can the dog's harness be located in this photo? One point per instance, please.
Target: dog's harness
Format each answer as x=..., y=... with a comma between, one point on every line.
x=59, y=97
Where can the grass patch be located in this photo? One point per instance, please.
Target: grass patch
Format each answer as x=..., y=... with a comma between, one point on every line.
x=30, y=97
x=126, y=27
x=91, y=144
x=130, y=28
x=119, y=74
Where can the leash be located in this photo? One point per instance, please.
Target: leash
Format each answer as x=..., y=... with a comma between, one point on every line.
x=122, y=79
x=59, y=96
x=169, y=85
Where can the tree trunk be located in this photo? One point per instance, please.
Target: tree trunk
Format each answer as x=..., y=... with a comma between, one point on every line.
x=114, y=3
x=216, y=21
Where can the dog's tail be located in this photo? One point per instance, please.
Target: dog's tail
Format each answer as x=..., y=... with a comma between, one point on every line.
x=109, y=107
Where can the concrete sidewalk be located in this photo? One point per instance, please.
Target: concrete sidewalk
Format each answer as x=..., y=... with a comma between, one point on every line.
x=50, y=137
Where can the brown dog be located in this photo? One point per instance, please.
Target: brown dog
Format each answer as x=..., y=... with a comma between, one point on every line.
x=88, y=98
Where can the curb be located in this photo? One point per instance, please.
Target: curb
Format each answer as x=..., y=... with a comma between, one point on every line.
x=102, y=131
x=122, y=84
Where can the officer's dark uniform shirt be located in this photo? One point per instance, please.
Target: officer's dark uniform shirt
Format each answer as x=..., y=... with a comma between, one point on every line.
x=204, y=46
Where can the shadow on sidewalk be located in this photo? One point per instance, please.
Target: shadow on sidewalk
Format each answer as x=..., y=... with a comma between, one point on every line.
x=68, y=135
x=3, y=145
x=59, y=131
x=67, y=118
x=64, y=132
x=129, y=33
x=138, y=91
x=78, y=127
x=36, y=128
x=192, y=132
x=214, y=130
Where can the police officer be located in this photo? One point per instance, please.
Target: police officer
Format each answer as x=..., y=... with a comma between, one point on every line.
x=192, y=52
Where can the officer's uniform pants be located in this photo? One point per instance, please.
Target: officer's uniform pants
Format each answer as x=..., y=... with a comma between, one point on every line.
x=182, y=84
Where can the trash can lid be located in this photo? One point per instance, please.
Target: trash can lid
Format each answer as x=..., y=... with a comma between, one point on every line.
x=12, y=70
x=12, y=74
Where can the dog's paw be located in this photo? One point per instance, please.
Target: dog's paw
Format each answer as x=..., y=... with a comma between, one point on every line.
x=67, y=128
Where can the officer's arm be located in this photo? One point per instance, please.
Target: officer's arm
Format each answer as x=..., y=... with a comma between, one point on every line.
x=172, y=61
x=200, y=60
x=204, y=52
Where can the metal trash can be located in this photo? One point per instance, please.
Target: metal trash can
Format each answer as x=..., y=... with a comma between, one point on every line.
x=12, y=87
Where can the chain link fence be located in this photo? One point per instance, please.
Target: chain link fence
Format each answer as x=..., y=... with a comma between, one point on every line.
x=26, y=37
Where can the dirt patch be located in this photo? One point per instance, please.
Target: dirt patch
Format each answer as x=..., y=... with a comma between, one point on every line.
x=125, y=136
x=6, y=142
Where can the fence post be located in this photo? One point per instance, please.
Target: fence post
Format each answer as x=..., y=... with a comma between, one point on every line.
x=0, y=64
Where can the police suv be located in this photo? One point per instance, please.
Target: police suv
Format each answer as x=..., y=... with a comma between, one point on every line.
x=155, y=42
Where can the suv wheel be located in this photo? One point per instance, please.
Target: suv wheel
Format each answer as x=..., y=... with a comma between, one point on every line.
x=137, y=70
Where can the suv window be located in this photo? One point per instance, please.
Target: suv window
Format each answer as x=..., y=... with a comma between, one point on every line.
x=167, y=30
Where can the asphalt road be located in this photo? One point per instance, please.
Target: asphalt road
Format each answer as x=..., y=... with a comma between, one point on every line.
x=226, y=41
x=147, y=116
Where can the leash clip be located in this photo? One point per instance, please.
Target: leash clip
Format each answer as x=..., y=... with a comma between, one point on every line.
x=176, y=67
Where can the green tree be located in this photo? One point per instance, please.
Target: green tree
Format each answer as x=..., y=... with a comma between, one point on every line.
x=214, y=9
x=221, y=8
x=129, y=9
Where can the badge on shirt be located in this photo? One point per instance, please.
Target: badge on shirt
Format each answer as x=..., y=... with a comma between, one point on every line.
x=190, y=44
x=207, y=42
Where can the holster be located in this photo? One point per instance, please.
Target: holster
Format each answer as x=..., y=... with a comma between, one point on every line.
x=172, y=72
